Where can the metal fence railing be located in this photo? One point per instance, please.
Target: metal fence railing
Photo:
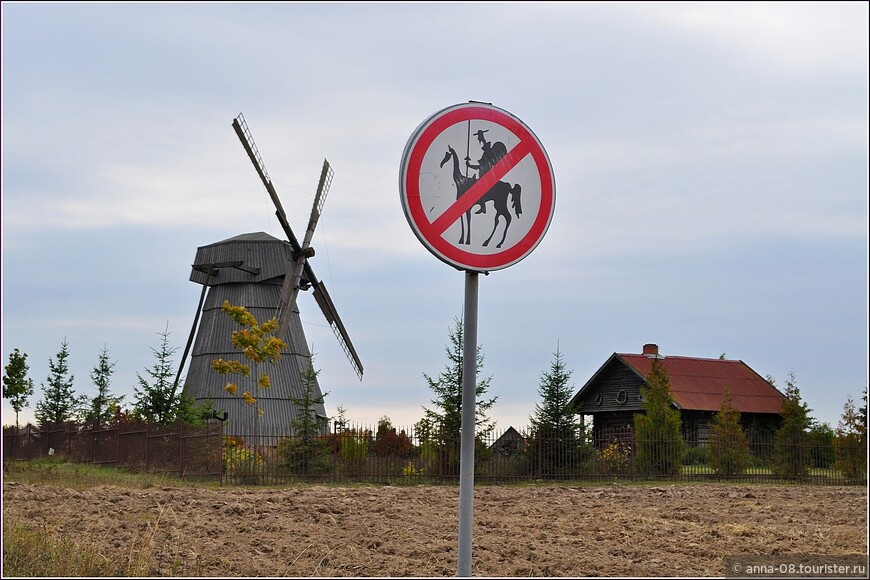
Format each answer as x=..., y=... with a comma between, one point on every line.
x=396, y=456
x=388, y=455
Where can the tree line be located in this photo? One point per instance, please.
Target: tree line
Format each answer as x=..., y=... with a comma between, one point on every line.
x=659, y=444
x=800, y=442
x=156, y=399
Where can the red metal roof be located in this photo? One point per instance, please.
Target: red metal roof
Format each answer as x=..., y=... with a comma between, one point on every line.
x=699, y=383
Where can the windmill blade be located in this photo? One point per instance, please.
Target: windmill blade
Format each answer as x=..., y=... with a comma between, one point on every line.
x=320, y=294
x=325, y=302
x=292, y=281
x=244, y=133
x=301, y=252
x=290, y=288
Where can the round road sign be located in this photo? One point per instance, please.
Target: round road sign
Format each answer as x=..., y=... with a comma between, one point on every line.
x=477, y=187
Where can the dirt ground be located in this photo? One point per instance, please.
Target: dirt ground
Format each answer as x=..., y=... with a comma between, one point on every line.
x=604, y=530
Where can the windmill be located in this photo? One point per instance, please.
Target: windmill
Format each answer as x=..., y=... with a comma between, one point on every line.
x=264, y=274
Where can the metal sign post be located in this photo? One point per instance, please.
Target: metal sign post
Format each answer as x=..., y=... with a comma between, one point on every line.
x=486, y=214
x=469, y=408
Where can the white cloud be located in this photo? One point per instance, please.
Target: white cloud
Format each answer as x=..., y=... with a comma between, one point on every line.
x=797, y=35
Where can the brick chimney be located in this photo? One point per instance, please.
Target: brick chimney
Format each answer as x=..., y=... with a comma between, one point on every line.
x=651, y=350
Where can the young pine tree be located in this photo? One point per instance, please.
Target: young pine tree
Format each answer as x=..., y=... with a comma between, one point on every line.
x=188, y=410
x=443, y=423
x=851, y=443
x=790, y=459
x=862, y=415
x=657, y=430
x=305, y=452
x=101, y=408
x=17, y=388
x=554, y=425
x=59, y=403
x=728, y=451
x=155, y=401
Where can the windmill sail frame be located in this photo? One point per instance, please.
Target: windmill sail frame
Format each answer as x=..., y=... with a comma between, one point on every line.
x=301, y=252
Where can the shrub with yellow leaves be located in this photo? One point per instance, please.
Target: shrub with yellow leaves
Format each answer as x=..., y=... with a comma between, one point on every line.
x=258, y=344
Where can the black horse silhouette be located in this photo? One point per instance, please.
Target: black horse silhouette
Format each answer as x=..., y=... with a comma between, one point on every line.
x=498, y=194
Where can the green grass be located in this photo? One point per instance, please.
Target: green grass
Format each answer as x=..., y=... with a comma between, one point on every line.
x=827, y=472
x=60, y=472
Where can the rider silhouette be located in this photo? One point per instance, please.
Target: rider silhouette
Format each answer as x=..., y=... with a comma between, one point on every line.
x=491, y=155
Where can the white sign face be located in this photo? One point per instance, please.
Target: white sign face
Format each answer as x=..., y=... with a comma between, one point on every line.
x=477, y=187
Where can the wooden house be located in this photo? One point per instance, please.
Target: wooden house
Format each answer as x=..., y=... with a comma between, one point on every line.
x=613, y=395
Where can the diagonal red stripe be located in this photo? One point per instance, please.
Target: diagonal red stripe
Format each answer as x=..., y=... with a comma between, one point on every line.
x=479, y=189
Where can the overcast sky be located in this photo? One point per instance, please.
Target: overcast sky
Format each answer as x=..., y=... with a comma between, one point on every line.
x=710, y=160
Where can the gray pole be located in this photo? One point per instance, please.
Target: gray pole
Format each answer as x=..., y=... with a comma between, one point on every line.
x=466, y=457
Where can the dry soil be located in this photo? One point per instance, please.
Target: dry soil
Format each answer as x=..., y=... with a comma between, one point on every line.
x=531, y=530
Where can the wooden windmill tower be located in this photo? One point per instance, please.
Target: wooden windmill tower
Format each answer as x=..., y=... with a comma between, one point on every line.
x=265, y=275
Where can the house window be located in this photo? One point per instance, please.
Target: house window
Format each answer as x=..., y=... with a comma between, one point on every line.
x=598, y=399
x=621, y=397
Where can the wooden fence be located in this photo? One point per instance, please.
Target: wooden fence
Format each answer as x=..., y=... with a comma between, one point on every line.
x=180, y=449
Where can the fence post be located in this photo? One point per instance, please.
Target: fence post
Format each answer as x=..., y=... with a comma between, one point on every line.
x=147, y=446
x=633, y=454
x=181, y=469
x=220, y=448
x=594, y=452
x=801, y=463
x=334, y=452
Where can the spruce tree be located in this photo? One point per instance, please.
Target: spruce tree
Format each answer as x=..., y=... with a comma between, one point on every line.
x=103, y=405
x=59, y=403
x=305, y=451
x=554, y=425
x=789, y=454
x=442, y=424
x=448, y=390
x=155, y=400
x=657, y=430
x=188, y=410
x=851, y=442
x=728, y=446
x=17, y=387
x=862, y=415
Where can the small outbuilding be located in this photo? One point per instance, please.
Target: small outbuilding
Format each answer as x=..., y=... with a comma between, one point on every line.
x=509, y=443
x=613, y=395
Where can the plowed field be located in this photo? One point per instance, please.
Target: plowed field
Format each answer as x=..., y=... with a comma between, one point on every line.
x=531, y=530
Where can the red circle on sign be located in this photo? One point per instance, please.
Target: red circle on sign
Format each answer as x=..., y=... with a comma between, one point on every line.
x=431, y=233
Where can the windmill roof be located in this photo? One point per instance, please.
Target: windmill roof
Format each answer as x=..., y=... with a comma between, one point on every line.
x=251, y=257
x=700, y=383
x=250, y=237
